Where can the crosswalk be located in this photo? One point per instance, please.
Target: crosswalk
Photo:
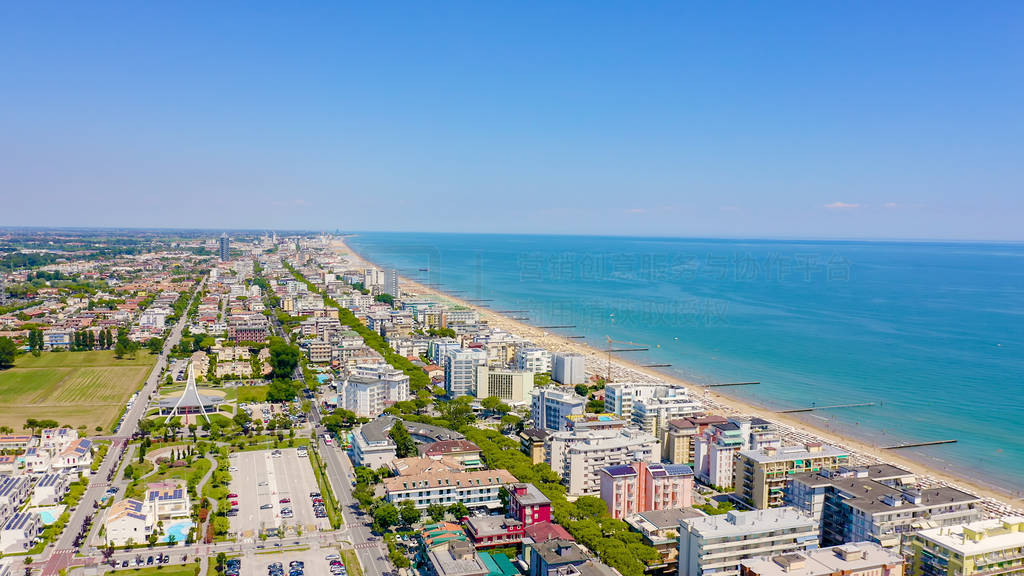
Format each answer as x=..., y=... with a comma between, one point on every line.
x=367, y=545
x=59, y=560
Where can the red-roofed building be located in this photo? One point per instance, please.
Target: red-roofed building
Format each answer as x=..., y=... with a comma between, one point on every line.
x=462, y=451
x=547, y=531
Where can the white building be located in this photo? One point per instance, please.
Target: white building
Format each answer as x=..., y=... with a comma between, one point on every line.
x=569, y=369
x=714, y=451
x=77, y=457
x=550, y=407
x=372, y=446
x=513, y=386
x=165, y=502
x=127, y=520
x=475, y=489
x=717, y=544
x=14, y=490
x=652, y=414
x=20, y=531
x=371, y=389
x=579, y=455
x=532, y=358
x=50, y=489
x=854, y=559
x=460, y=370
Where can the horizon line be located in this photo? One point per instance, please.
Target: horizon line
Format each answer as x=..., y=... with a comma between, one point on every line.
x=771, y=238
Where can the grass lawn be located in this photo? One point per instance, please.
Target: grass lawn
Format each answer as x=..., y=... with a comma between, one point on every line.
x=169, y=570
x=73, y=388
x=351, y=562
x=199, y=468
x=251, y=393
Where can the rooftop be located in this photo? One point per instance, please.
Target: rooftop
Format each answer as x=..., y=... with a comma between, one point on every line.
x=528, y=495
x=844, y=559
x=560, y=552
x=738, y=523
x=980, y=537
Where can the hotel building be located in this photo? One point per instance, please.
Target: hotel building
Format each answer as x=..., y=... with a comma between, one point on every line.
x=760, y=476
x=988, y=547
x=640, y=486
x=718, y=544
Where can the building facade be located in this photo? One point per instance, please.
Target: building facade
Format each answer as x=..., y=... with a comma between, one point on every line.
x=718, y=544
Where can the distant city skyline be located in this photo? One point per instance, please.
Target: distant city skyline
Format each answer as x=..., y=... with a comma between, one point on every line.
x=804, y=120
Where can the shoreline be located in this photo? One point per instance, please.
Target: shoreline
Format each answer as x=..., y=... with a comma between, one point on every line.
x=792, y=429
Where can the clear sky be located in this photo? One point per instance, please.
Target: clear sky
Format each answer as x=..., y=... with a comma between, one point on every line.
x=812, y=119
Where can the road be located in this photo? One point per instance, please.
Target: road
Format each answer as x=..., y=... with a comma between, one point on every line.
x=62, y=551
x=373, y=555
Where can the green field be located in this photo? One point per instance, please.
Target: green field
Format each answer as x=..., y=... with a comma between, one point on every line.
x=73, y=388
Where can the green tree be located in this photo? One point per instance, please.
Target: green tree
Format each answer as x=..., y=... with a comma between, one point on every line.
x=458, y=510
x=582, y=390
x=8, y=350
x=385, y=516
x=385, y=299
x=155, y=345
x=410, y=515
x=242, y=418
x=405, y=446
x=436, y=512
x=281, y=391
x=458, y=412
x=284, y=358
x=222, y=560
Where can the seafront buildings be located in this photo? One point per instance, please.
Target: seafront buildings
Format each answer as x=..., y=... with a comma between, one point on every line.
x=761, y=475
x=715, y=450
x=878, y=503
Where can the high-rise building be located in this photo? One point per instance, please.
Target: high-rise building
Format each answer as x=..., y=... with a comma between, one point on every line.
x=761, y=475
x=641, y=486
x=717, y=544
x=550, y=407
x=878, y=503
x=225, y=247
x=512, y=386
x=579, y=455
x=569, y=369
x=460, y=370
x=391, y=283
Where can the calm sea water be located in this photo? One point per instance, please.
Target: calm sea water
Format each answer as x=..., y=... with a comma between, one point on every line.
x=933, y=333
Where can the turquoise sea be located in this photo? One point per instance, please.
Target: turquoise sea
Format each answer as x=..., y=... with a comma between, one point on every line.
x=933, y=333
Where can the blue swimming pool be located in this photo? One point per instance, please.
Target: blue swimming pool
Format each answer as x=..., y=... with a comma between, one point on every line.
x=47, y=517
x=178, y=529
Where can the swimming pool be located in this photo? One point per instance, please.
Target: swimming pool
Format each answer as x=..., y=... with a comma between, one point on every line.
x=178, y=529
x=47, y=517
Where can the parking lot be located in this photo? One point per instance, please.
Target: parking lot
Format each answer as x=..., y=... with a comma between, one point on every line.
x=314, y=560
x=262, y=481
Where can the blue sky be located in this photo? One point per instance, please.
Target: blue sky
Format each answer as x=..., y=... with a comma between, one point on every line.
x=814, y=119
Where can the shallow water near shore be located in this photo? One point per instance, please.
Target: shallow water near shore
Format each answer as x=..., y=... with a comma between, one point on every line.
x=930, y=333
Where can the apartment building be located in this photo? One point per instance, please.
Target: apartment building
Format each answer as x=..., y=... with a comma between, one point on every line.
x=578, y=456
x=641, y=486
x=652, y=414
x=532, y=358
x=678, y=440
x=760, y=476
x=878, y=503
x=854, y=559
x=985, y=547
x=460, y=370
x=714, y=451
x=372, y=389
x=550, y=408
x=718, y=544
x=569, y=369
x=512, y=386
x=475, y=489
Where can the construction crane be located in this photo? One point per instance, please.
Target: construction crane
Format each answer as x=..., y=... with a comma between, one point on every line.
x=633, y=347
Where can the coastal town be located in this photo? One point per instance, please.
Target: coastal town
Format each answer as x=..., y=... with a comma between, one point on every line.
x=235, y=404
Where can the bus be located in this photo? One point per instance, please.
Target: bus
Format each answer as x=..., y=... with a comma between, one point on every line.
x=327, y=439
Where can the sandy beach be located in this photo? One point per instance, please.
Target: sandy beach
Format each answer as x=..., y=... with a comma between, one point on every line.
x=793, y=430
